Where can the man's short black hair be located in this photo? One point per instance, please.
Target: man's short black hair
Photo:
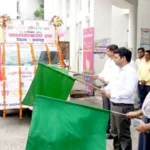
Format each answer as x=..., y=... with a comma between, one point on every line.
x=147, y=51
x=124, y=52
x=112, y=47
x=142, y=49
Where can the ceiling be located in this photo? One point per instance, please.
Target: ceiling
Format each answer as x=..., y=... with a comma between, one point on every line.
x=121, y=4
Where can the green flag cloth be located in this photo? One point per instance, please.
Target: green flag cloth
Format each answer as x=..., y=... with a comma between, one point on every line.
x=62, y=125
x=49, y=81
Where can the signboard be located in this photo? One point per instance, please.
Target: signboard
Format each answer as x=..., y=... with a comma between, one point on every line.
x=145, y=38
x=27, y=71
x=100, y=47
x=29, y=31
x=88, y=46
x=0, y=64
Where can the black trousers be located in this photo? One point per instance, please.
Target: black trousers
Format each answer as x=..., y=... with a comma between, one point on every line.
x=143, y=91
x=120, y=127
x=106, y=105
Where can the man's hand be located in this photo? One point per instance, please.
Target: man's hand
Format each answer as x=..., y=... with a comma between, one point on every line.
x=107, y=94
x=95, y=77
x=102, y=80
x=143, y=82
x=132, y=114
x=102, y=91
x=142, y=128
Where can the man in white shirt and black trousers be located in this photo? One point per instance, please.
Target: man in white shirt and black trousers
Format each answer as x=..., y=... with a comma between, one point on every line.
x=108, y=73
x=121, y=91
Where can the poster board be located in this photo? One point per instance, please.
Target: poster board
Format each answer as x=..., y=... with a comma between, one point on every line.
x=42, y=36
x=29, y=31
x=88, y=48
x=27, y=71
x=145, y=38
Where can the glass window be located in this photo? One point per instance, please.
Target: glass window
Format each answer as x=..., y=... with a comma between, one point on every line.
x=89, y=3
x=67, y=8
x=40, y=53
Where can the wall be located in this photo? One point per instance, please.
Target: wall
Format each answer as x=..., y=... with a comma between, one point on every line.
x=51, y=8
x=8, y=7
x=119, y=27
x=102, y=25
x=143, y=18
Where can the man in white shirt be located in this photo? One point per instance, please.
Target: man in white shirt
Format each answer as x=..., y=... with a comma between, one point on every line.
x=144, y=126
x=109, y=72
x=121, y=91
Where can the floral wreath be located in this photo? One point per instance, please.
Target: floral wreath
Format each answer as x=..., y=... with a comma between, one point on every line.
x=4, y=21
x=56, y=21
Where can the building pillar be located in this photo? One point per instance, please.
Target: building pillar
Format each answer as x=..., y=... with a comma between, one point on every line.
x=73, y=54
x=132, y=36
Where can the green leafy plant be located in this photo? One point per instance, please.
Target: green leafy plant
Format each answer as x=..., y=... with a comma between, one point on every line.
x=39, y=13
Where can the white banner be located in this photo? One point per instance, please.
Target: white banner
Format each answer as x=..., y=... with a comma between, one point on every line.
x=27, y=71
x=29, y=31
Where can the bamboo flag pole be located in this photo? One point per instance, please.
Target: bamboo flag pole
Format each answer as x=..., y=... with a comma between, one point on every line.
x=88, y=84
x=48, y=54
x=82, y=74
x=20, y=80
x=4, y=79
x=33, y=57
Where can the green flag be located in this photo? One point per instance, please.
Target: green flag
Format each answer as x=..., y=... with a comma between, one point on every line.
x=63, y=125
x=49, y=81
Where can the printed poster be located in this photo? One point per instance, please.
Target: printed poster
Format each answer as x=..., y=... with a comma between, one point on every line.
x=88, y=47
x=145, y=38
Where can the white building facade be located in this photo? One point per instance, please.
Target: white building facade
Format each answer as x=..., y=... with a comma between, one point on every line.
x=112, y=19
x=118, y=20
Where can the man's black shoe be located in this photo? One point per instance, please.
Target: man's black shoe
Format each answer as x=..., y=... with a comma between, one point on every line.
x=109, y=136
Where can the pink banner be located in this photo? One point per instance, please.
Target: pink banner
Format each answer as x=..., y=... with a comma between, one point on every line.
x=88, y=48
x=0, y=65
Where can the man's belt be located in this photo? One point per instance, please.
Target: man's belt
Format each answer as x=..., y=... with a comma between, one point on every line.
x=121, y=104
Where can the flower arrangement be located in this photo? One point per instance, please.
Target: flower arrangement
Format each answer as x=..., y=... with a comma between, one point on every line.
x=4, y=21
x=56, y=21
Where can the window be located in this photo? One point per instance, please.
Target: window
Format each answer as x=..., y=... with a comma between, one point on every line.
x=25, y=55
x=89, y=4
x=18, y=10
x=80, y=32
x=53, y=57
x=79, y=5
x=67, y=36
x=67, y=8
